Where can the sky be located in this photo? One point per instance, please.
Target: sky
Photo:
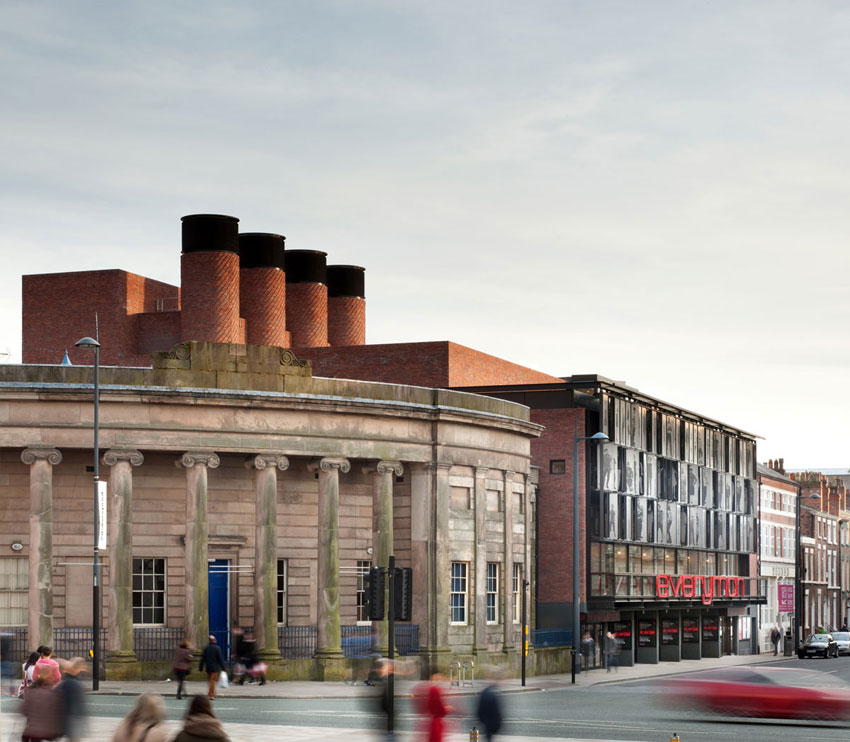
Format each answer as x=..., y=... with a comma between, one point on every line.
x=652, y=191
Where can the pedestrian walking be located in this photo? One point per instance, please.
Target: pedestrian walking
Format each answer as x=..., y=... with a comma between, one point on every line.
x=72, y=698
x=588, y=649
x=182, y=665
x=433, y=710
x=238, y=655
x=201, y=724
x=774, y=639
x=42, y=709
x=213, y=661
x=144, y=723
x=612, y=652
x=255, y=669
x=53, y=674
x=490, y=711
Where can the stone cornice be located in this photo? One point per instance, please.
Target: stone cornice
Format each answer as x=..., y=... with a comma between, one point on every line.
x=41, y=453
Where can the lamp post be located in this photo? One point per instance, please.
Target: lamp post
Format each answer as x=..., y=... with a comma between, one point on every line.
x=576, y=558
x=88, y=342
x=799, y=572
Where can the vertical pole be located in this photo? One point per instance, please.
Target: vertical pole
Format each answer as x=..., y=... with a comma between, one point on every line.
x=576, y=572
x=95, y=681
x=798, y=574
x=391, y=646
x=524, y=618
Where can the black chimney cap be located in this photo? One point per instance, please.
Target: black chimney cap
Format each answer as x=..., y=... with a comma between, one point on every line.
x=210, y=233
x=346, y=280
x=306, y=266
x=261, y=250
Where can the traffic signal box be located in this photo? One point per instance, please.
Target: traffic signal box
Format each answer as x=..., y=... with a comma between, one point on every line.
x=374, y=585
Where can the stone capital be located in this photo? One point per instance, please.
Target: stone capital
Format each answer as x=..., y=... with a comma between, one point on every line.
x=114, y=455
x=508, y=473
x=41, y=453
x=331, y=464
x=481, y=471
x=438, y=466
x=267, y=460
x=385, y=467
x=198, y=458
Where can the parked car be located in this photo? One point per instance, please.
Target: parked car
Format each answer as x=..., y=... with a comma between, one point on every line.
x=842, y=639
x=818, y=645
x=758, y=692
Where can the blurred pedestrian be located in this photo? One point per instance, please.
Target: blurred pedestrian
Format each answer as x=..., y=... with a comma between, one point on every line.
x=182, y=665
x=72, y=698
x=255, y=669
x=238, y=655
x=144, y=723
x=433, y=709
x=774, y=639
x=42, y=709
x=7, y=667
x=612, y=651
x=213, y=661
x=29, y=668
x=201, y=724
x=46, y=660
x=490, y=711
x=588, y=649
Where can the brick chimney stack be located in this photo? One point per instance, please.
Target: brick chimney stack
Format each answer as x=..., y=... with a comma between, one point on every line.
x=307, y=298
x=346, y=305
x=262, y=288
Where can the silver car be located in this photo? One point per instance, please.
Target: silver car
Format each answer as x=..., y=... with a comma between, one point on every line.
x=842, y=638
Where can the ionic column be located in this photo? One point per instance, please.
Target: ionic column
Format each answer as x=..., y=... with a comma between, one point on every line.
x=41, y=460
x=266, y=467
x=119, y=594
x=508, y=561
x=442, y=559
x=479, y=594
x=196, y=619
x=329, y=640
x=382, y=538
x=422, y=551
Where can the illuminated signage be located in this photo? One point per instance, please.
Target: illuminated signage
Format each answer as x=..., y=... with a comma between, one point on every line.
x=707, y=587
x=690, y=631
x=786, y=598
x=710, y=629
x=622, y=631
x=646, y=632
x=670, y=631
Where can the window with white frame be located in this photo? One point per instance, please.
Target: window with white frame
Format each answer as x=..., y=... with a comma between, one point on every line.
x=459, y=592
x=148, y=591
x=516, y=587
x=14, y=584
x=492, y=592
x=363, y=567
x=282, y=584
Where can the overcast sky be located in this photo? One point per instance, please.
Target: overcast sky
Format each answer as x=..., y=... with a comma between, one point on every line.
x=652, y=191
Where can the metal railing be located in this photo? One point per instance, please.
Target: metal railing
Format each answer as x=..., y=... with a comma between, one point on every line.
x=299, y=642
x=407, y=639
x=296, y=642
x=156, y=643
x=551, y=637
x=13, y=644
x=75, y=642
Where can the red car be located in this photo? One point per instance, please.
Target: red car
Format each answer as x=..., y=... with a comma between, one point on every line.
x=763, y=692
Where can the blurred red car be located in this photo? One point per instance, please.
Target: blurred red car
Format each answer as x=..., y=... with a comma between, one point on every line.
x=762, y=692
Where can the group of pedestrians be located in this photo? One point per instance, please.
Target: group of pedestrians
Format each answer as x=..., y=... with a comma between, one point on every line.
x=53, y=700
x=146, y=723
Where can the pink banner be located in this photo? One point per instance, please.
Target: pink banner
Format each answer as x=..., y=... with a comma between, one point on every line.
x=786, y=598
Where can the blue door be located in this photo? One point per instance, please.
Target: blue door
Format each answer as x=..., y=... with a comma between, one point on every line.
x=219, y=605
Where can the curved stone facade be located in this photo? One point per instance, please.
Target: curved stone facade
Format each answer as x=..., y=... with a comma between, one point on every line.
x=235, y=455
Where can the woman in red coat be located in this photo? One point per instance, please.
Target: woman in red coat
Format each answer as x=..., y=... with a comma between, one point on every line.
x=433, y=710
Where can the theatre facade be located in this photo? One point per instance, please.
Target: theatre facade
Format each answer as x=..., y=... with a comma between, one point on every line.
x=668, y=508
x=243, y=491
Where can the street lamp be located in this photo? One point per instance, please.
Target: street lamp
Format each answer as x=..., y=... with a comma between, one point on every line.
x=799, y=614
x=576, y=571
x=88, y=342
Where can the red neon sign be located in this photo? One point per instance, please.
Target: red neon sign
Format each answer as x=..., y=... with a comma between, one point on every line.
x=685, y=586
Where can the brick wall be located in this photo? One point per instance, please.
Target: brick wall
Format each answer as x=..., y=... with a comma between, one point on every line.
x=307, y=314
x=262, y=302
x=555, y=504
x=346, y=320
x=440, y=364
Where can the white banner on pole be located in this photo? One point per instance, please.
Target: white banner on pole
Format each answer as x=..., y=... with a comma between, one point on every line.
x=101, y=515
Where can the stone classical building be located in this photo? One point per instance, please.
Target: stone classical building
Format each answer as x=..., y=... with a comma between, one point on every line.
x=244, y=491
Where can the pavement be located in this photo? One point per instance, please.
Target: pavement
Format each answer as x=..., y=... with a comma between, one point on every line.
x=101, y=728
x=405, y=688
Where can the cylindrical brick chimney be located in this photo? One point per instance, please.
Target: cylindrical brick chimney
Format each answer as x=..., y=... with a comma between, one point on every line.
x=262, y=288
x=346, y=305
x=209, y=279
x=307, y=298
